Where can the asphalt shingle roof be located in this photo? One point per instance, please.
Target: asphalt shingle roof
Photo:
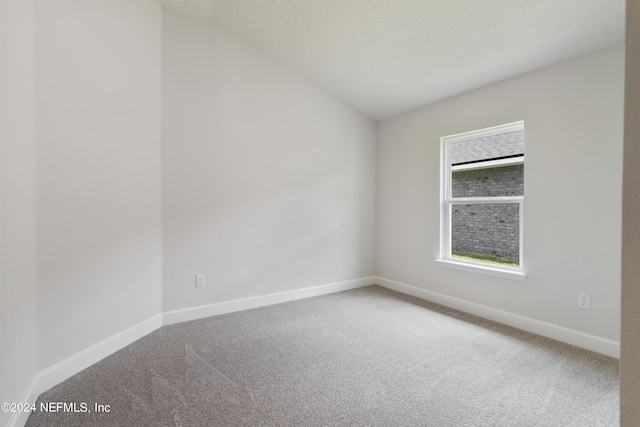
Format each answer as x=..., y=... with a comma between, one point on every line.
x=503, y=145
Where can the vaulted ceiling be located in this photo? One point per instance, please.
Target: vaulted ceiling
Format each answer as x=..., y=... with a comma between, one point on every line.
x=386, y=57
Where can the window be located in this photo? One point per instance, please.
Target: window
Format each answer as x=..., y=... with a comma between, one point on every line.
x=482, y=199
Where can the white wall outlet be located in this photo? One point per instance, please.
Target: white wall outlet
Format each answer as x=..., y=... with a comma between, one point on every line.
x=584, y=301
x=199, y=280
x=353, y=260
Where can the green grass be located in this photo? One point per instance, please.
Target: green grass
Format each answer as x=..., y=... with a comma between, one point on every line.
x=485, y=258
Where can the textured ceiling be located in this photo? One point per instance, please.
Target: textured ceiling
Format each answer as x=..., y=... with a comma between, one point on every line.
x=386, y=57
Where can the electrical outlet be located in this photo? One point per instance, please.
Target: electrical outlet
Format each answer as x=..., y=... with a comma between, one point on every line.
x=199, y=280
x=584, y=301
x=353, y=260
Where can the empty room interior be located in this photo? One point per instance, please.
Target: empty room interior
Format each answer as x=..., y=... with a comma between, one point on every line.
x=237, y=212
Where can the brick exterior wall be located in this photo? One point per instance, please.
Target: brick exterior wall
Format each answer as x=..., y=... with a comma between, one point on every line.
x=490, y=182
x=487, y=229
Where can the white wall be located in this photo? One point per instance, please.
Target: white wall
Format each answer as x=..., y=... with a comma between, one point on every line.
x=268, y=182
x=573, y=115
x=17, y=202
x=98, y=171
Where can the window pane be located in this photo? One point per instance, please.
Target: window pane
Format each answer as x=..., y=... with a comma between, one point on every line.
x=486, y=232
x=489, y=182
x=494, y=147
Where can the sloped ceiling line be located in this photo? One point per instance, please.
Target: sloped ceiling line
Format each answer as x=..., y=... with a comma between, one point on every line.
x=386, y=57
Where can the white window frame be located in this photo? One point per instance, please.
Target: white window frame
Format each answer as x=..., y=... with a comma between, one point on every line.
x=447, y=201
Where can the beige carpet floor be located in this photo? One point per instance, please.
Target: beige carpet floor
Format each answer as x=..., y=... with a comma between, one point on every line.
x=366, y=357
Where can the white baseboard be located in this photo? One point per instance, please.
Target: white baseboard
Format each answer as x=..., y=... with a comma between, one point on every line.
x=70, y=366
x=560, y=333
x=65, y=369
x=193, y=313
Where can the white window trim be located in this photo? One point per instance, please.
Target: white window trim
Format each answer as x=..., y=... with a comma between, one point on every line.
x=481, y=269
x=446, y=201
x=488, y=164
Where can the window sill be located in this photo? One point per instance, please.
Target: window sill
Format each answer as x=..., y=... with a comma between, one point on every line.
x=491, y=271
